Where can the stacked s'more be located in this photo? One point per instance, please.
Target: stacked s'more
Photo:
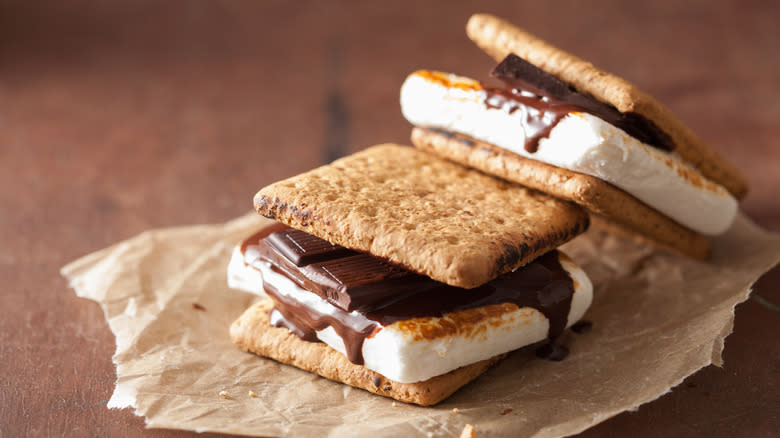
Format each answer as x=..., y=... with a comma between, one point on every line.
x=408, y=272
x=404, y=274
x=564, y=127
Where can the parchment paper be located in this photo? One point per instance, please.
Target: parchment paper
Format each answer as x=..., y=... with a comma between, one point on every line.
x=656, y=319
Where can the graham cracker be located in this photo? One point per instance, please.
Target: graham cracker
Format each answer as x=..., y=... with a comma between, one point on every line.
x=596, y=195
x=432, y=216
x=499, y=38
x=253, y=332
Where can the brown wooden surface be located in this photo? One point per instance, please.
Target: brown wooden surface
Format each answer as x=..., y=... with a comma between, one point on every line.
x=117, y=118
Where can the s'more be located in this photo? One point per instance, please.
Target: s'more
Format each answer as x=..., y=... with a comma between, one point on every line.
x=569, y=129
x=404, y=274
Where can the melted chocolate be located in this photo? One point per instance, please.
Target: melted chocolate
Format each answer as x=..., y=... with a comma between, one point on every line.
x=581, y=327
x=304, y=321
x=545, y=100
x=551, y=351
x=542, y=284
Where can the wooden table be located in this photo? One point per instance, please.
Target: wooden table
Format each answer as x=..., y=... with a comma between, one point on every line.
x=117, y=118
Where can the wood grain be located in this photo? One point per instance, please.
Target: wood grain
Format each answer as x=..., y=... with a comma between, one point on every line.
x=119, y=117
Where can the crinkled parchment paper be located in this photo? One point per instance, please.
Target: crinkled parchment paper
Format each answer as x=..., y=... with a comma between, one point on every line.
x=656, y=319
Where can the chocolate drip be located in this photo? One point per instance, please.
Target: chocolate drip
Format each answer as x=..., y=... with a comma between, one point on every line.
x=582, y=327
x=539, y=115
x=385, y=293
x=552, y=352
x=545, y=100
x=304, y=321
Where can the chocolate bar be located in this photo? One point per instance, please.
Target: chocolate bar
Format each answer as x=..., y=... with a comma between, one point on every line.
x=347, y=279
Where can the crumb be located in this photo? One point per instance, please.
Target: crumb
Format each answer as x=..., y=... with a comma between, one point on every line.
x=395, y=404
x=224, y=394
x=429, y=434
x=468, y=432
x=455, y=410
x=197, y=306
x=230, y=421
x=252, y=394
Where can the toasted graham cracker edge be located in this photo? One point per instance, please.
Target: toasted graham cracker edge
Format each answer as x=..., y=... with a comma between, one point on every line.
x=253, y=332
x=387, y=200
x=592, y=193
x=498, y=38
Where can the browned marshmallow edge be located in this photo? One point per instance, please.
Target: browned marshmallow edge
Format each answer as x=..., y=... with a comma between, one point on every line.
x=499, y=38
x=253, y=332
x=430, y=215
x=592, y=193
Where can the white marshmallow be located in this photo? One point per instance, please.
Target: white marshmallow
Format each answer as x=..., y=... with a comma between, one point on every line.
x=580, y=142
x=243, y=277
x=401, y=351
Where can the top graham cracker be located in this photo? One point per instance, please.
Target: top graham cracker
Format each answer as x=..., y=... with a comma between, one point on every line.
x=432, y=216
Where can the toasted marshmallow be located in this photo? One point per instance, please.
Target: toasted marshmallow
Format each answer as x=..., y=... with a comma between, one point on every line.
x=421, y=348
x=580, y=142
